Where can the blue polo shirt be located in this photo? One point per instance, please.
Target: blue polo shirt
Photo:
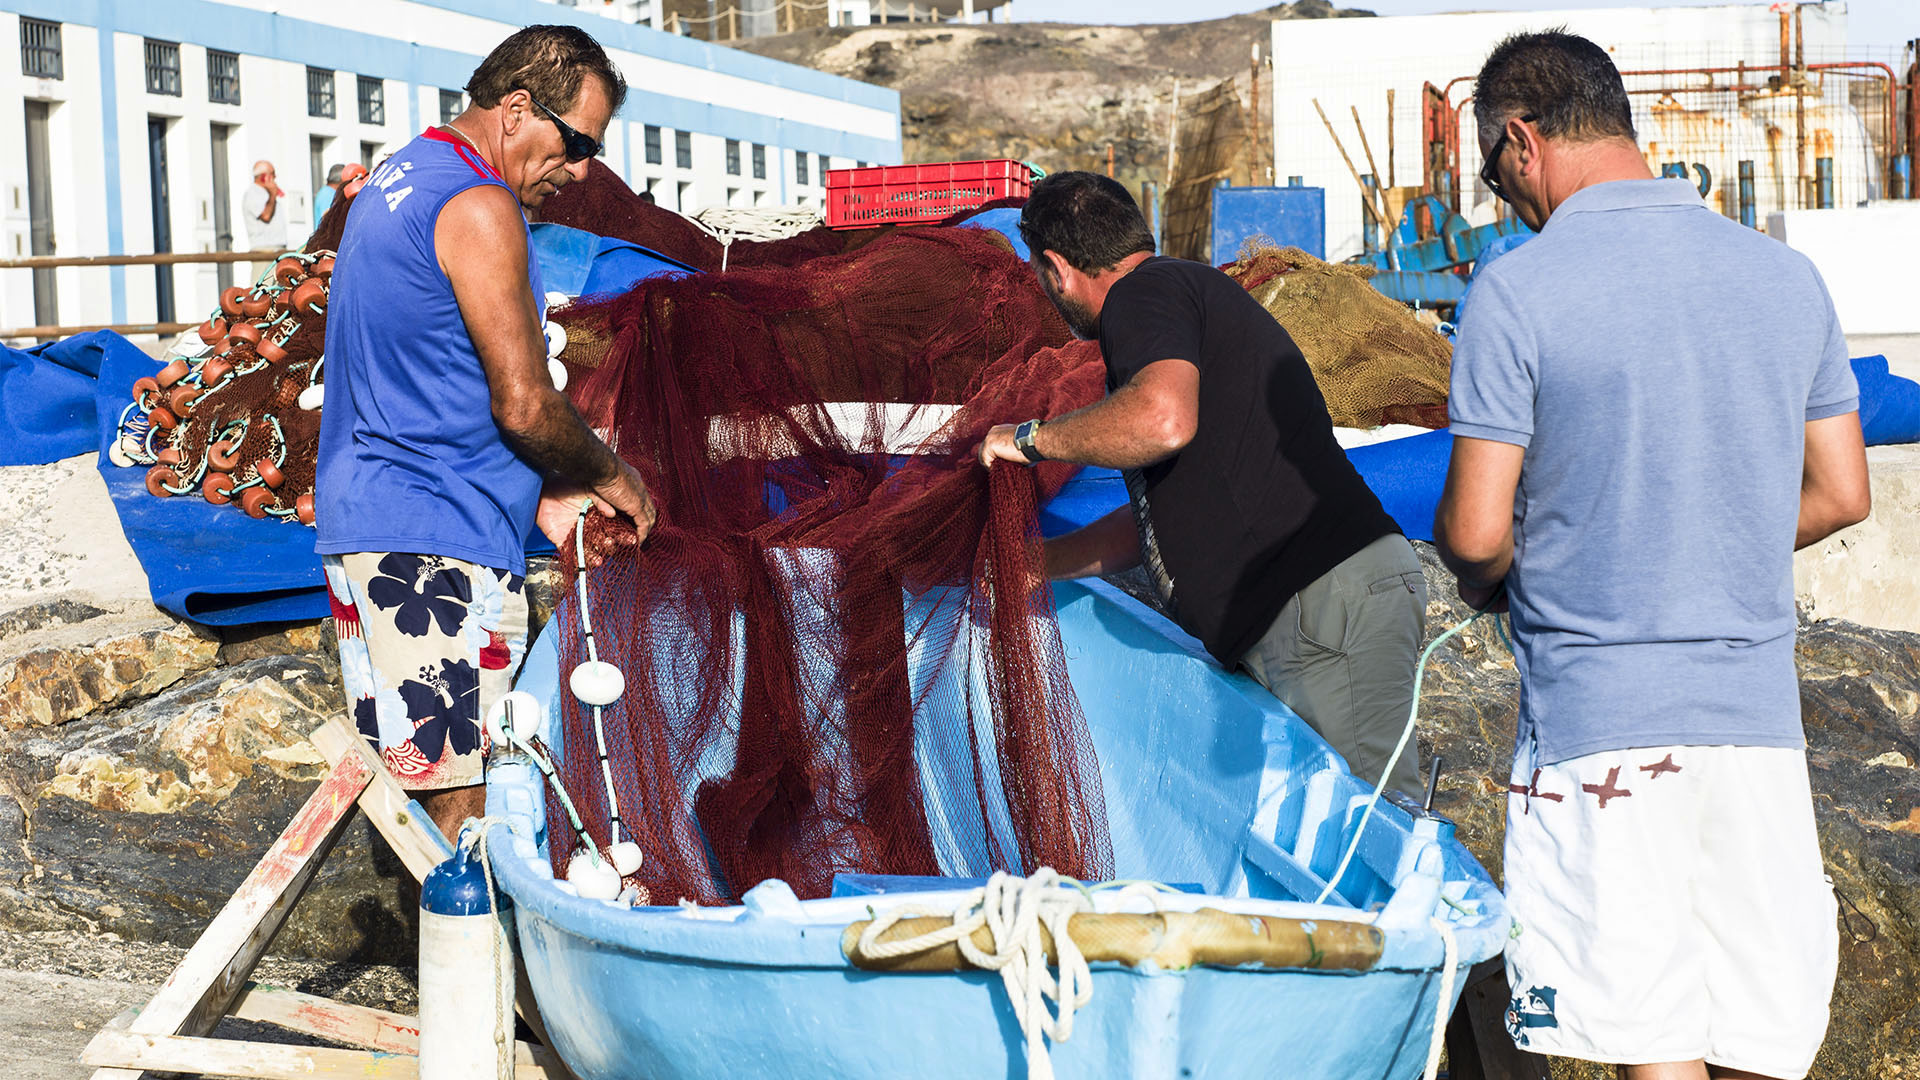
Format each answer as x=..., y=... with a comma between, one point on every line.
x=1659, y=363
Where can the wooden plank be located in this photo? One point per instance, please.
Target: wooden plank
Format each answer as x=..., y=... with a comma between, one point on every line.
x=410, y=833
x=255, y=1060
x=355, y=1025
x=209, y=977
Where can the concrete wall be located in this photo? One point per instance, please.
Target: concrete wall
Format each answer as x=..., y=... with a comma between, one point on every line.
x=1352, y=62
x=102, y=201
x=1866, y=255
x=1866, y=574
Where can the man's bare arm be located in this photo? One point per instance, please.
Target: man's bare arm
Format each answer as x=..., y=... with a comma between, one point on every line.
x=482, y=226
x=1835, y=491
x=1106, y=546
x=1151, y=418
x=1473, y=526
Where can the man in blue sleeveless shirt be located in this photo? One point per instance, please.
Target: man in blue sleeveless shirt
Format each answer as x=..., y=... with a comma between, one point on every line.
x=1652, y=409
x=441, y=425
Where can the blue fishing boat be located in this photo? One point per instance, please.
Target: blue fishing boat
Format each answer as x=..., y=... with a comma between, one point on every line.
x=1212, y=785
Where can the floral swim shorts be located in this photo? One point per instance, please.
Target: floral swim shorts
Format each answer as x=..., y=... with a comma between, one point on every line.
x=427, y=644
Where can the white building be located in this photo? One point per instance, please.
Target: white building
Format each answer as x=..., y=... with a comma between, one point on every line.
x=130, y=125
x=1351, y=63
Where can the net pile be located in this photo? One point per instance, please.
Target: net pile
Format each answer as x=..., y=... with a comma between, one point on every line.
x=603, y=203
x=771, y=725
x=226, y=420
x=1375, y=363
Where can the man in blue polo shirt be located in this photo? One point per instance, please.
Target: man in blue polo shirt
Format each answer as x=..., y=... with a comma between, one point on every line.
x=1652, y=409
x=441, y=423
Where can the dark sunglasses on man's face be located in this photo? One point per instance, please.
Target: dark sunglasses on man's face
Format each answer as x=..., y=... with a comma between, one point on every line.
x=1488, y=175
x=580, y=145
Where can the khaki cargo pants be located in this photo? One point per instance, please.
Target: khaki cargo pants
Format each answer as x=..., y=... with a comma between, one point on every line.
x=1341, y=654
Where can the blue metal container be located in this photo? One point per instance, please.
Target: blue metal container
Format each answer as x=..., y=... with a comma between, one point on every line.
x=1289, y=216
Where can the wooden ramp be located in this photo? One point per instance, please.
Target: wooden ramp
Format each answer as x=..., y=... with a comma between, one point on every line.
x=170, y=1033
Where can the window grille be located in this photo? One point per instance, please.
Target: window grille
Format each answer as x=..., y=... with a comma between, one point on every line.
x=320, y=92
x=223, y=77
x=653, y=145
x=683, y=150
x=800, y=166
x=733, y=157
x=373, y=100
x=759, y=162
x=452, y=104
x=163, y=67
x=40, y=56
x=821, y=160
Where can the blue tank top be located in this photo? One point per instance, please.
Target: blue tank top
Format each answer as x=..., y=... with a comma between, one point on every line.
x=410, y=458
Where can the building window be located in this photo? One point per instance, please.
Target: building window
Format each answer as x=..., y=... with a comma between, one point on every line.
x=799, y=166
x=452, y=104
x=683, y=149
x=733, y=157
x=369, y=154
x=653, y=145
x=163, y=67
x=40, y=49
x=373, y=100
x=223, y=77
x=759, y=162
x=320, y=92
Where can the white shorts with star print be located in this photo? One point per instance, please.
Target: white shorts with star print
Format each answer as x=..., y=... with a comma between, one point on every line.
x=1672, y=906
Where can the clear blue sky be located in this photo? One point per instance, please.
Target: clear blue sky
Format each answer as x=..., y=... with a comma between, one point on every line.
x=1878, y=23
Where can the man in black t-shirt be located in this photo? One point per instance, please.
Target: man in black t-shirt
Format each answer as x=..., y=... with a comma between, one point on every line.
x=1261, y=539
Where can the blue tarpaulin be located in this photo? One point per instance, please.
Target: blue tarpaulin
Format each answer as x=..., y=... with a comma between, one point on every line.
x=47, y=397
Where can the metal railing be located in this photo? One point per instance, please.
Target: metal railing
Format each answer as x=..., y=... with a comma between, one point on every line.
x=163, y=67
x=320, y=92
x=223, y=77
x=373, y=100
x=49, y=262
x=730, y=17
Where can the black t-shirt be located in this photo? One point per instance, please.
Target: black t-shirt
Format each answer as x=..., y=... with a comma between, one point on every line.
x=1263, y=500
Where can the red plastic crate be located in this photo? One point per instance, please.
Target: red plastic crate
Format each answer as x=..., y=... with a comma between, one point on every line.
x=919, y=194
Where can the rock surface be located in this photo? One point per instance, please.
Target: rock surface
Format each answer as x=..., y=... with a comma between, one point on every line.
x=1055, y=95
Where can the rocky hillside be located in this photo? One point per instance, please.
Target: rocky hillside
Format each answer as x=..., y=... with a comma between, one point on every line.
x=1052, y=94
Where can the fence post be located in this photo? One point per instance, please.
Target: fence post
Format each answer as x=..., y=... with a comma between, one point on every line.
x=1747, y=214
x=733, y=24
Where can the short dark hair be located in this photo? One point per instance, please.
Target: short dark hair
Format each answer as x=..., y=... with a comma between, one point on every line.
x=1088, y=218
x=548, y=62
x=1564, y=79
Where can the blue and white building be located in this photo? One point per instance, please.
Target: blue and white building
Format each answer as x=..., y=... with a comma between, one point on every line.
x=130, y=126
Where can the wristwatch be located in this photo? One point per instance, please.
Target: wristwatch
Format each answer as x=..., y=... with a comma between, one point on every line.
x=1023, y=438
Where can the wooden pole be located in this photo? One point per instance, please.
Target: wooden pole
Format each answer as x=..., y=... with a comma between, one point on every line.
x=1366, y=194
x=1173, y=129
x=1391, y=182
x=1109, y=161
x=1253, y=122
x=733, y=24
x=1365, y=146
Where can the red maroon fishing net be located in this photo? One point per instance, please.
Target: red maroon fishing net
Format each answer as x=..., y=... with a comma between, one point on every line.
x=833, y=665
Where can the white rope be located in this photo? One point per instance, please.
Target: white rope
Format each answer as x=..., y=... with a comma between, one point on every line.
x=1013, y=909
x=1406, y=735
x=1442, y=1008
x=614, y=827
x=756, y=223
x=503, y=1030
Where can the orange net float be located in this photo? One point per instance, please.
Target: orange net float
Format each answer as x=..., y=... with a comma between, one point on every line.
x=255, y=304
x=170, y=457
x=217, y=488
x=212, y=330
x=310, y=298
x=245, y=332
x=215, y=371
x=144, y=386
x=160, y=478
x=163, y=418
x=181, y=398
x=271, y=351
x=303, y=508
x=254, y=501
x=289, y=269
x=230, y=300
x=270, y=473
x=172, y=373
x=224, y=454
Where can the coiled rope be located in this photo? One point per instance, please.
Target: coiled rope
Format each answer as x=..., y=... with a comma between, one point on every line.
x=1013, y=909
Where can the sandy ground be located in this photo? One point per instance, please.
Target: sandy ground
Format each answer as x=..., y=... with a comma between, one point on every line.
x=63, y=537
x=58, y=988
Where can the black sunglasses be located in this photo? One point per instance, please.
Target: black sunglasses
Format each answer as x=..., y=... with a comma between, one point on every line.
x=1487, y=174
x=580, y=146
